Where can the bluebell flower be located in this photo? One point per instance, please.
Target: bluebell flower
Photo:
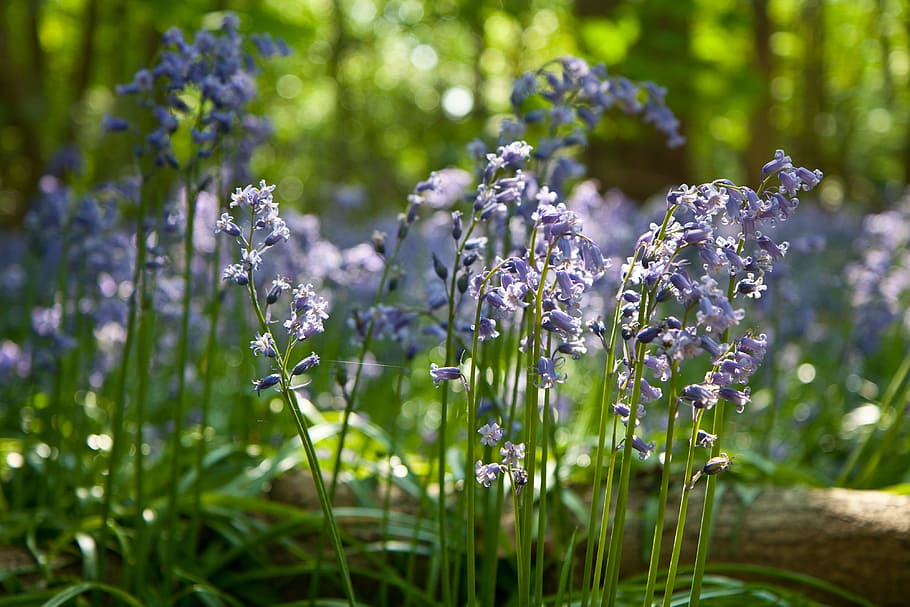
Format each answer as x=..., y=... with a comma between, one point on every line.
x=567, y=326
x=263, y=344
x=112, y=124
x=700, y=396
x=267, y=382
x=226, y=224
x=486, y=474
x=487, y=329
x=490, y=434
x=737, y=397
x=547, y=376
x=781, y=161
x=439, y=374
x=279, y=286
x=305, y=364
x=644, y=449
x=236, y=273
x=714, y=465
x=519, y=479
x=512, y=455
x=308, y=310
x=705, y=439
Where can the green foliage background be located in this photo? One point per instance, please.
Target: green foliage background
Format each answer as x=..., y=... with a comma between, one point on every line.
x=358, y=108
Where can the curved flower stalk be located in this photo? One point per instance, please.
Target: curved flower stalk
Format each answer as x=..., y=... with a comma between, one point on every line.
x=263, y=230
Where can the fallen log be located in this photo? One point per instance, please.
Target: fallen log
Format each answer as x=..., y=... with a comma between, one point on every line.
x=856, y=540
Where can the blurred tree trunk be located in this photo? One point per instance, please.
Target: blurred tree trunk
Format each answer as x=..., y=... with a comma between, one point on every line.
x=814, y=95
x=84, y=64
x=24, y=104
x=906, y=147
x=758, y=150
x=642, y=165
x=857, y=540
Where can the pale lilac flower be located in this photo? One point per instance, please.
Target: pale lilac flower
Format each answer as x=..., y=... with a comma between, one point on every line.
x=490, y=434
x=486, y=474
x=486, y=330
x=547, y=376
x=263, y=344
x=512, y=455
x=252, y=259
x=226, y=224
x=236, y=273
x=446, y=374
x=308, y=310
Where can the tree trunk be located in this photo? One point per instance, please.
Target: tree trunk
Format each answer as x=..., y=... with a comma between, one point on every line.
x=857, y=540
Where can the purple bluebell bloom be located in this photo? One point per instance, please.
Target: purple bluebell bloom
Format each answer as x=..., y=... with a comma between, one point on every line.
x=512, y=455
x=486, y=474
x=446, y=374
x=487, y=329
x=306, y=364
x=700, y=396
x=266, y=382
x=547, y=374
x=490, y=434
x=781, y=161
x=644, y=449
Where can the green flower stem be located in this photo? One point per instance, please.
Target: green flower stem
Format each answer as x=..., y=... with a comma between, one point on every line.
x=144, y=348
x=681, y=518
x=604, y=509
x=290, y=401
x=469, y=482
x=605, y=516
x=672, y=409
x=123, y=378
x=542, y=507
x=625, y=473
x=502, y=359
x=704, y=534
x=707, y=516
x=530, y=414
x=170, y=550
x=349, y=403
x=606, y=398
x=51, y=490
x=211, y=350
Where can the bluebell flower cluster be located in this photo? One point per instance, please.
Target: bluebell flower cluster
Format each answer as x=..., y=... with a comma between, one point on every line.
x=880, y=281
x=562, y=265
x=662, y=273
x=576, y=97
x=219, y=72
x=511, y=460
x=262, y=229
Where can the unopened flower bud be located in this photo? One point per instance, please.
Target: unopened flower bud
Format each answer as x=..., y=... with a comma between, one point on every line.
x=441, y=271
x=379, y=242
x=463, y=281
x=456, y=225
